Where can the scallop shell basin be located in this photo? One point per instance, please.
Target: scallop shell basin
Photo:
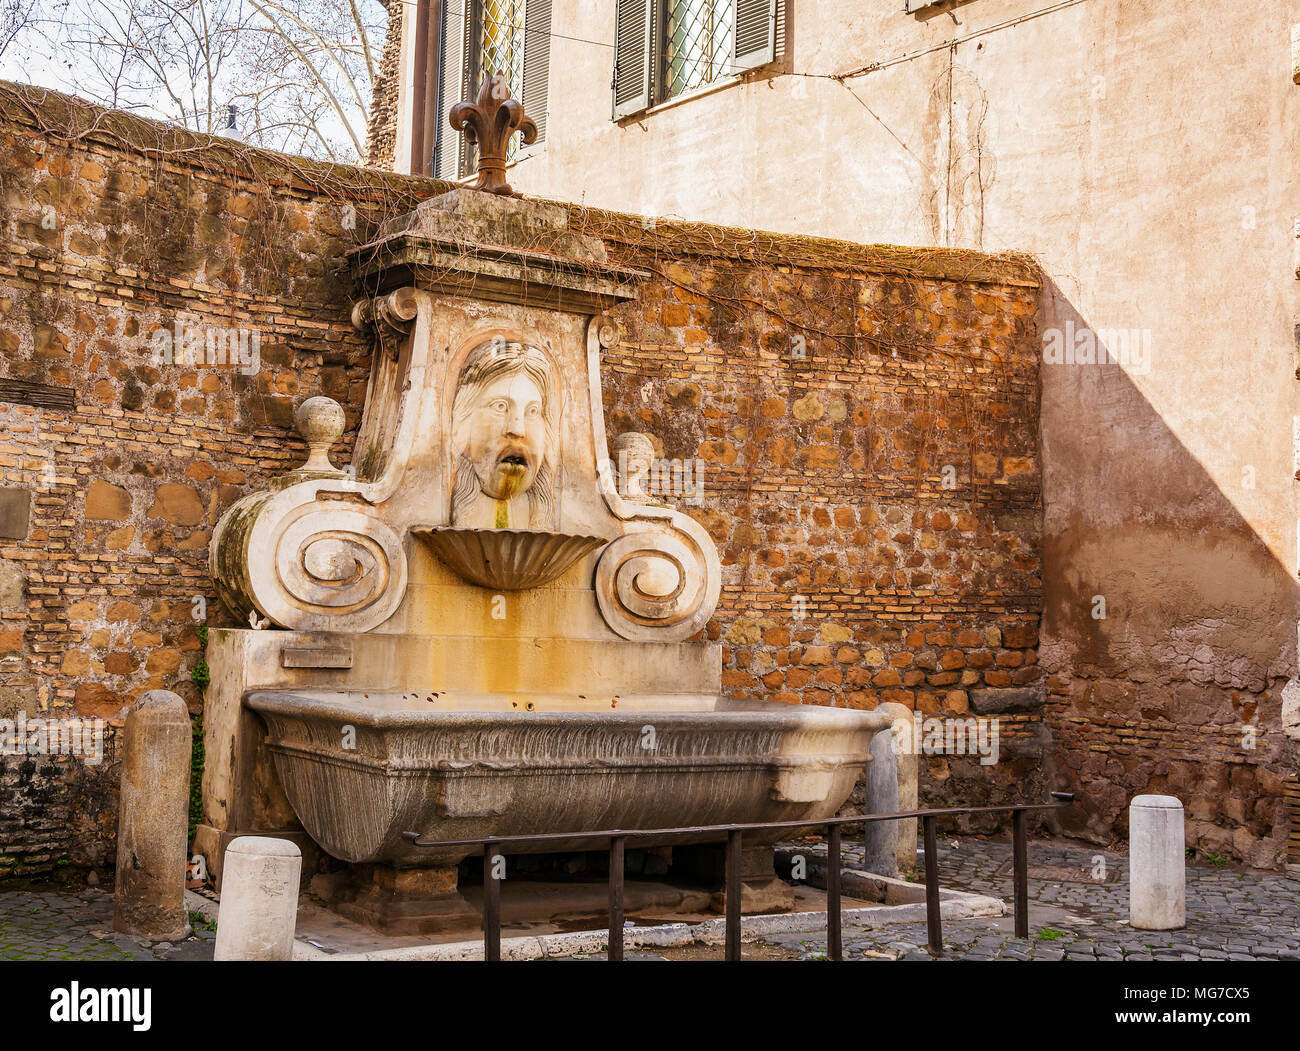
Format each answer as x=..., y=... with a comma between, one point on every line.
x=507, y=559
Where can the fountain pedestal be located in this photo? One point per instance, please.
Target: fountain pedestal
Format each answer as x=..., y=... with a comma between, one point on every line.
x=401, y=901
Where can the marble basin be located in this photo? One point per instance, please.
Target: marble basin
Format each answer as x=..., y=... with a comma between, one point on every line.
x=360, y=769
x=507, y=559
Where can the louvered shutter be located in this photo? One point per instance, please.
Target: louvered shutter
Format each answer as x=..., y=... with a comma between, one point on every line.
x=633, y=52
x=537, y=61
x=754, y=43
x=453, y=67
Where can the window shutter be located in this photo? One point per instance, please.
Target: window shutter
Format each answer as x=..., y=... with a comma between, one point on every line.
x=754, y=43
x=453, y=67
x=537, y=61
x=633, y=25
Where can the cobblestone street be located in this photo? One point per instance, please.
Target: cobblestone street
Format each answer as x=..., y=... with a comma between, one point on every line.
x=1230, y=915
x=1073, y=916
x=58, y=924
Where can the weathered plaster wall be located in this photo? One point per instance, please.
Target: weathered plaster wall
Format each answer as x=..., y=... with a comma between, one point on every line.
x=825, y=386
x=1145, y=153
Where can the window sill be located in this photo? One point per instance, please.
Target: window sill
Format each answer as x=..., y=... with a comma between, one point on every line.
x=689, y=96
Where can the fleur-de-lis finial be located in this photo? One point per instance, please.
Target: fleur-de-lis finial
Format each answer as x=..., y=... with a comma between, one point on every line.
x=489, y=122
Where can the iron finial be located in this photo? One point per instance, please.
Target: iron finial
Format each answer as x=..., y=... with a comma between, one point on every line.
x=488, y=123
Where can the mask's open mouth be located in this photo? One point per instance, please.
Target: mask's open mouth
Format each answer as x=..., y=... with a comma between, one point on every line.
x=513, y=458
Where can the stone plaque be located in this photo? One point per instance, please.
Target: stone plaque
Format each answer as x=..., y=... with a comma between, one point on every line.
x=15, y=513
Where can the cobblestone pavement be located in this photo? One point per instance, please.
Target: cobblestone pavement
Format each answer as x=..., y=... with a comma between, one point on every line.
x=54, y=924
x=1074, y=915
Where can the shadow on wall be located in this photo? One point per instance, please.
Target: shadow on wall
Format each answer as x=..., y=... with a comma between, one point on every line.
x=1169, y=626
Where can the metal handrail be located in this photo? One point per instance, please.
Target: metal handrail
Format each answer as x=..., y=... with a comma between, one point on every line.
x=618, y=839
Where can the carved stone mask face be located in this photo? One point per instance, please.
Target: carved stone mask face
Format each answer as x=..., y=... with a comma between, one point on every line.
x=505, y=435
x=504, y=429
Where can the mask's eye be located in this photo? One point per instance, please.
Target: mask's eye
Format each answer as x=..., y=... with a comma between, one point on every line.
x=499, y=406
x=534, y=411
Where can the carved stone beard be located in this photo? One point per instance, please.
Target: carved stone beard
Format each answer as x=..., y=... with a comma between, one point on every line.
x=467, y=493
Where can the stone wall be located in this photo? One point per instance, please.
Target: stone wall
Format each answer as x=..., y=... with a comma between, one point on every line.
x=866, y=423
x=381, y=129
x=866, y=419
x=106, y=239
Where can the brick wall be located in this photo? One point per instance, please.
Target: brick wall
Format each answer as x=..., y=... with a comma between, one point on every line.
x=105, y=240
x=1215, y=747
x=868, y=428
x=867, y=418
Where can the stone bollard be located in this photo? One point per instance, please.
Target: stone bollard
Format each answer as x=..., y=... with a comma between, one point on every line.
x=153, y=816
x=259, y=899
x=880, y=838
x=1157, y=867
x=892, y=785
x=905, y=761
x=908, y=799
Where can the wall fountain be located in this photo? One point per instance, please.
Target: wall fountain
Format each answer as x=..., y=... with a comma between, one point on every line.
x=479, y=630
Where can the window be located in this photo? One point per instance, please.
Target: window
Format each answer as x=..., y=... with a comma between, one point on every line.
x=478, y=39
x=697, y=43
x=664, y=48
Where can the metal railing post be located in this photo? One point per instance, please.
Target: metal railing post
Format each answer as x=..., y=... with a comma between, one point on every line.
x=491, y=906
x=1020, y=869
x=834, y=942
x=615, y=952
x=733, y=895
x=933, y=923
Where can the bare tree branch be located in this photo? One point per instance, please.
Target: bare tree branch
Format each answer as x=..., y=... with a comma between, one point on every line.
x=298, y=71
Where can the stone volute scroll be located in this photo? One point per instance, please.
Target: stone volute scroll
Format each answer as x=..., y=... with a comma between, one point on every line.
x=309, y=555
x=660, y=580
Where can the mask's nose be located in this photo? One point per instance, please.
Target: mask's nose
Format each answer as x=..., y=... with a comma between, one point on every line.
x=515, y=422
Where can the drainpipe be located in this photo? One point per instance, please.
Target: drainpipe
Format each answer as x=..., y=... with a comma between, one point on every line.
x=420, y=91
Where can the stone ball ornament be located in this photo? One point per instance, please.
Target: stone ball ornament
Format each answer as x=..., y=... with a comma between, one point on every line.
x=634, y=453
x=321, y=421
